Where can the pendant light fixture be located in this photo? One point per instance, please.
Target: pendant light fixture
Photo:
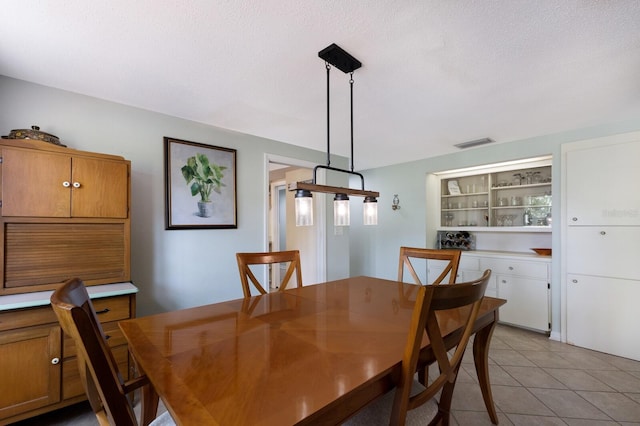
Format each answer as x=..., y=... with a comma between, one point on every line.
x=339, y=58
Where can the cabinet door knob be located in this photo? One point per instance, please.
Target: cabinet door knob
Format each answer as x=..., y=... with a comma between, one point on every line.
x=574, y=281
x=511, y=268
x=603, y=233
x=575, y=219
x=504, y=281
x=55, y=361
x=76, y=184
x=66, y=184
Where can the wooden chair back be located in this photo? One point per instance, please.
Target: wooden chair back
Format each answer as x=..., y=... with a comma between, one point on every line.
x=452, y=256
x=245, y=260
x=103, y=382
x=429, y=301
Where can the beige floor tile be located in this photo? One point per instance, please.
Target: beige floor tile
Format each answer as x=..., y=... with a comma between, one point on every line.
x=525, y=420
x=619, y=380
x=510, y=357
x=518, y=400
x=616, y=405
x=586, y=422
x=547, y=359
x=578, y=379
x=467, y=397
x=478, y=418
x=533, y=377
x=567, y=403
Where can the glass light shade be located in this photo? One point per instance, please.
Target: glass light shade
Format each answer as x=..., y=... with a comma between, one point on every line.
x=370, y=211
x=304, y=208
x=341, y=210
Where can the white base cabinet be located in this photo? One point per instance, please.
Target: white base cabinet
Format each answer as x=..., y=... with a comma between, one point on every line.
x=602, y=314
x=523, y=280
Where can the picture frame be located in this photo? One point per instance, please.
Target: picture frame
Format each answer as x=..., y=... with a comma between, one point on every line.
x=200, y=185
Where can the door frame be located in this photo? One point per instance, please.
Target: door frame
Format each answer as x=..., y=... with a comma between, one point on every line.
x=319, y=208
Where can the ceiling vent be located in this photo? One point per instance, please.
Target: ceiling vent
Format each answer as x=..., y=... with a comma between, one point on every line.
x=476, y=142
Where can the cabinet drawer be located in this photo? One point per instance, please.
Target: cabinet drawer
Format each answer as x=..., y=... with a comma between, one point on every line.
x=10, y=320
x=111, y=330
x=515, y=267
x=71, y=382
x=112, y=308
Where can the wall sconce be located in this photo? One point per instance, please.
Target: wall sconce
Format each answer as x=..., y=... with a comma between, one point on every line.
x=396, y=202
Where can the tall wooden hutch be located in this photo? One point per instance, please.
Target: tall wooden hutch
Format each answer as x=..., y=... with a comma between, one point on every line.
x=64, y=213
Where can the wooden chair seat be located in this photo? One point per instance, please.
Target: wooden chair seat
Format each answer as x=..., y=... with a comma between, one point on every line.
x=108, y=393
x=245, y=260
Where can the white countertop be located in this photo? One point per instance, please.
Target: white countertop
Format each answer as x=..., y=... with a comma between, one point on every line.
x=42, y=298
x=497, y=253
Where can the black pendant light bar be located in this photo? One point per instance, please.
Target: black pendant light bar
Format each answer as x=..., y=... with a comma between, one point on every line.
x=339, y=58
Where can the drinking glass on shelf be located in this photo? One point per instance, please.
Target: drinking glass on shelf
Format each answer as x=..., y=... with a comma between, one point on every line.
x=508, y=220
x=448, y=219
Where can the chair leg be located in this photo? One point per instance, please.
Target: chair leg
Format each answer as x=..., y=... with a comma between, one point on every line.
x=148, y=405
x=423, y=375
x=481, y=360
x=444, y=405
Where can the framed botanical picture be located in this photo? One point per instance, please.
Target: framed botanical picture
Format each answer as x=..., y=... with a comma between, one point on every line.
x=200, y=185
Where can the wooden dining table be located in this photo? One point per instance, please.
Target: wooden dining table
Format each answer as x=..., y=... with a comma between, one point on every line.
x=310, y=355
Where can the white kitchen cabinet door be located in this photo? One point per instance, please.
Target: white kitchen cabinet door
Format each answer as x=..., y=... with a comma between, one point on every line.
x=602, y=185
x=607, y=251
x=603, y=315
x=527, y=302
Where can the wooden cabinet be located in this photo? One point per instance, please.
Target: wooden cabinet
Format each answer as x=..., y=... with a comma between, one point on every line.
x=31, y=367
x=53, y=184
x=39, y=367
x=523, y=280
x=64, y=213
x=500, y=196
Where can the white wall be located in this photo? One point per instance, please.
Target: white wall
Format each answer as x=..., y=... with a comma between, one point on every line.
x=376, y=253
x=178, y=268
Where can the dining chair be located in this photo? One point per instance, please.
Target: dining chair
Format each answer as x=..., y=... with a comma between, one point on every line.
x=431, y=299
x=245, y=260
x=107, y=392
x=451, y=256
x=446, y=347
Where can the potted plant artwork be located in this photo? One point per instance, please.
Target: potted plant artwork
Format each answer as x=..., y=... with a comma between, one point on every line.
x=204, y=177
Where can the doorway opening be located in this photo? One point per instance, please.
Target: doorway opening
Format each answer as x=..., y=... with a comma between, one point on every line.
x=282, y=233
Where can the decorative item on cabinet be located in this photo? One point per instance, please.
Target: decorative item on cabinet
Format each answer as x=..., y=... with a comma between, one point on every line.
x=461, y=240
x=35, y=134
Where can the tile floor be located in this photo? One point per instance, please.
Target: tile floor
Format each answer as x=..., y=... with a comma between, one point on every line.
x=535, y=381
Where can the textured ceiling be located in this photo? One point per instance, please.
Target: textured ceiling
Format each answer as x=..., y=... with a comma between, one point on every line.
x=435, y=73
